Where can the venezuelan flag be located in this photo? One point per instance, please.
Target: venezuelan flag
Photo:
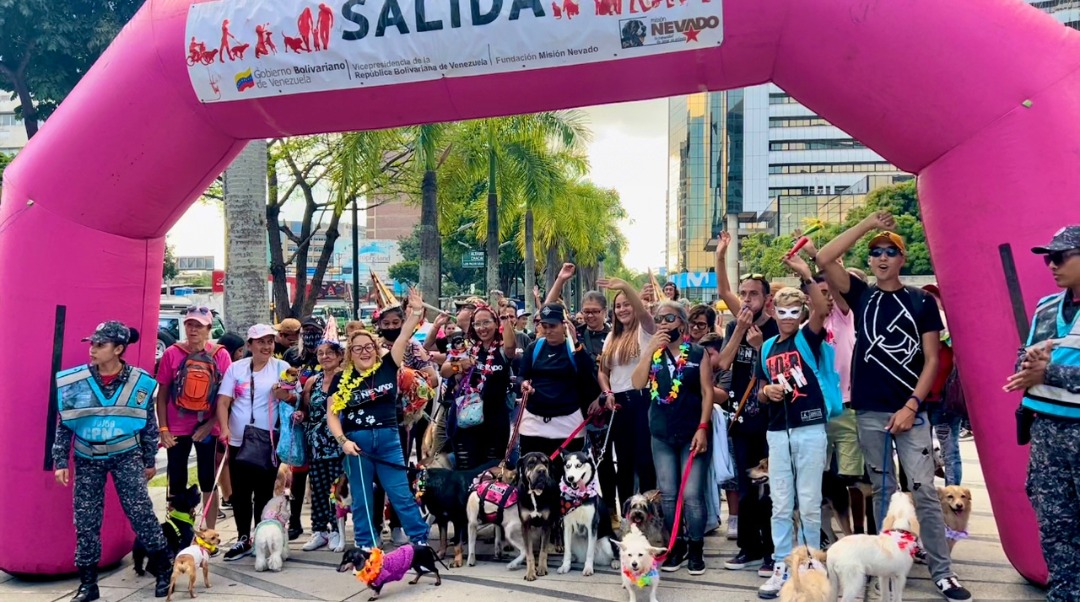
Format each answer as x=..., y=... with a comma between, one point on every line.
x=244, y=80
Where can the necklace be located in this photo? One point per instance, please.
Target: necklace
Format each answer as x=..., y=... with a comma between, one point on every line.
x=485, y=369
x=348, y=385
x=676, y=381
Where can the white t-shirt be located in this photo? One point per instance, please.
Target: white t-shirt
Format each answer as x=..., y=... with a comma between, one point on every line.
x=620, y=376
x=237, y=384
x=558, y=427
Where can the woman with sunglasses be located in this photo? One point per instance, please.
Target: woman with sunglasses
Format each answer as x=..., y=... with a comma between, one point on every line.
x=680, y=418
x=482, y=369
x=702, y=322
x=189, y=374
x=325, y=460
x=630, y=333
x=363, y=420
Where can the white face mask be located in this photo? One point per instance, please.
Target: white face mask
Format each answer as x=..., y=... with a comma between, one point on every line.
x=788, y=313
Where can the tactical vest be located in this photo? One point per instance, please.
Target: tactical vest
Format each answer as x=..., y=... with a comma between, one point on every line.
x=1049, y=325
x=104, y=426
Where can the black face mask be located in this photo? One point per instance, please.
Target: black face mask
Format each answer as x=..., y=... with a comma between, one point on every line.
x=390, y=334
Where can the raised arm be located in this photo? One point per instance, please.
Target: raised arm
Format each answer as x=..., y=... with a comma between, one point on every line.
x=837, y=277
x=723, y=285
x=565, y=274
x=819, y=306
x=632, y=297
x=412, y=318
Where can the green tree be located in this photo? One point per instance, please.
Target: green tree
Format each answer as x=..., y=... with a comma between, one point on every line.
x=169, y=269
x=406, y=272
x=46, y=47
x=432, y=146
x=5, y=160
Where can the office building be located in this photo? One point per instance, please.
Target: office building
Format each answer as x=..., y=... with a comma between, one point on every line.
x=1067, y=12
x=12, y=130
x=391, y=219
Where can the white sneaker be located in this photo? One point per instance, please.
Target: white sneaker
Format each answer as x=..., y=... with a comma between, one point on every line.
x=337, y=542
x=318, y=540
x=733, y=527
x=771, y=588
x=397, y=535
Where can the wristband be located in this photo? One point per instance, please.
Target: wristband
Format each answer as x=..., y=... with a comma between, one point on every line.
x=163, y=429
x=916, y=398
x=606, y=393
x=342, y=440
x=704, y=426
x=578, y=348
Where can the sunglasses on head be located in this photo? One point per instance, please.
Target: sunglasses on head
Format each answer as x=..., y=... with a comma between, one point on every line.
x=887, y=251
x=752, y=277
x=669, y=318
x=198, y=310
x=1060, y=257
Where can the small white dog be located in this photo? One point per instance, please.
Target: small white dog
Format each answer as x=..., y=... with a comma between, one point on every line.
x=271, y=542
x=638, y=560
x=887, y=556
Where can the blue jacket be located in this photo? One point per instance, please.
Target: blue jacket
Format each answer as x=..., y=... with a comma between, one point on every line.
x=1059, y=395
x=104, y=422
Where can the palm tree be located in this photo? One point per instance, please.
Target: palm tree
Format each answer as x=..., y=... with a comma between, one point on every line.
x=245, y=238
x=590, y=235
x=505, y=151
x=428, y=145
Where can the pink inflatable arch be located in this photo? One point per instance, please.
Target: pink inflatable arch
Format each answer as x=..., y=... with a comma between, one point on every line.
x=977, y=96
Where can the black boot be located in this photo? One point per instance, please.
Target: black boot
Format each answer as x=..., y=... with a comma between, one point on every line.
x=163, y=562
x=88, y=589
x=695, y=562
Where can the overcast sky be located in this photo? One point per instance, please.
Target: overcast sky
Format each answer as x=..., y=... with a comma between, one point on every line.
x=627, y=153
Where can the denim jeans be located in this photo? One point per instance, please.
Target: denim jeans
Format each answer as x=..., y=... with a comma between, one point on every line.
x=384, y=444
x=670, y=462
x=947, y=430
x=806, y=444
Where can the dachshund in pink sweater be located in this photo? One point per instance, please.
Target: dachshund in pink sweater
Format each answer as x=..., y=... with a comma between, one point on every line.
x=420, y=558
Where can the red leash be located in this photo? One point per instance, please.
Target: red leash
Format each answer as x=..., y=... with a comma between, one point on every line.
x=517, y=429
x=574, y=434
x=678, y=508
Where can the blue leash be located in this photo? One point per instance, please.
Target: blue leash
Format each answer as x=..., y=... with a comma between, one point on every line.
x=885, y=464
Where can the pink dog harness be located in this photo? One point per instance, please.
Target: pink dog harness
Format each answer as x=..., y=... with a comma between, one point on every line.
x=905, y=540
x=494, y=492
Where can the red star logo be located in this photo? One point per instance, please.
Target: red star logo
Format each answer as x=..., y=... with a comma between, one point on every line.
x=691, y=35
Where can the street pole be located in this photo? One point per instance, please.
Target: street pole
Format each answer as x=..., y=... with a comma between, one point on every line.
x=355, y=261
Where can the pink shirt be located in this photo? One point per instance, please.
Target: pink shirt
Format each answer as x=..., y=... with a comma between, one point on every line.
x=183, y=424
x=840, y=329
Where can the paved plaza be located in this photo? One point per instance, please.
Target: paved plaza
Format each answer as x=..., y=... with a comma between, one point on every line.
x=979, y=560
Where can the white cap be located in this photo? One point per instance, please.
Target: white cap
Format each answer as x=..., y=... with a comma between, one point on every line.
x=259, y=331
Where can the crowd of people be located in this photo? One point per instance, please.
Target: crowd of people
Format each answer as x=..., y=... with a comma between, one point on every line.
x=827, y=377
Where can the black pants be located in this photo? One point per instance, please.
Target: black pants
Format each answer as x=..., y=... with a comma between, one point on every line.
x=323, y=474
x=631, y=438
x=755, y=511
x=205, y=457
x=299, y=488
x=482, y=443
x=252, y=489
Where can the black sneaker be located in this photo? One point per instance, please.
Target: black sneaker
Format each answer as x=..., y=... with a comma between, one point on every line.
x=920, y=556
x=695, y=560
x=767, y=567
x=952, y=590
x=240, y=549
x=676, y=558
x=295, y=532
x=743, y=561
x=226, y=504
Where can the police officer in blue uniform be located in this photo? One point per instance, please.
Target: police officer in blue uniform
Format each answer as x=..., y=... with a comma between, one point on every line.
x=107, y=416
x=1048, y=371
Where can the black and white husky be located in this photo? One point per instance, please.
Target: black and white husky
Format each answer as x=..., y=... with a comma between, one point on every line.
x=586, y=523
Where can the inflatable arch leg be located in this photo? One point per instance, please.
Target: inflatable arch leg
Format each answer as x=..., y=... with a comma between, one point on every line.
x=937, y=88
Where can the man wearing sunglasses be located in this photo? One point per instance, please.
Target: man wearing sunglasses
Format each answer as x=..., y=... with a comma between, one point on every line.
x=1048, y=371
x=896, y=361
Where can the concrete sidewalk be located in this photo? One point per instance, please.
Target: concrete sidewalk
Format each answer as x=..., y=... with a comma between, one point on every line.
x=980, y=562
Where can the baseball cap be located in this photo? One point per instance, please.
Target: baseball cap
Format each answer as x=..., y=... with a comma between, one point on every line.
x=288, y=325
x=521, y=312
x=1064, y=239
x=114, y=332
x=891, y=238
x=552, y=313
x=259, y=331
x=315, y=321
x=201, y=315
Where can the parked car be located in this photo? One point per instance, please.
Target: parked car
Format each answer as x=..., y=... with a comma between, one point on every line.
x=170, y=324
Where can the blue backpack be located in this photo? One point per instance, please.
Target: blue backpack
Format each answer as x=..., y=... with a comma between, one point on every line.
x=540, y=344
x=825, y=372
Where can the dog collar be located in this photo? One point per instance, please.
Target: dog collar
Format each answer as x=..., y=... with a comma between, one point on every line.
x=905, y=540
x=183, y=517
x=643, y=580
x=371, y=569
x=812, y=565
x=951, y=534
x=209, y=547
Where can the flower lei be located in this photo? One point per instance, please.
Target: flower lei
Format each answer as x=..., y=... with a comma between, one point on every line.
x=421, y=483
x=349, y=384
x=676, y=381
x=485, y=369
x=645, y=579
x=372, y=568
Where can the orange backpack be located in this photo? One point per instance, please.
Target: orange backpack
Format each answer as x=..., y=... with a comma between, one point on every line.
x=196, y=384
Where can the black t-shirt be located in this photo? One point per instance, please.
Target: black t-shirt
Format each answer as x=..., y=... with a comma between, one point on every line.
x=676, y=422
x=593, y=342
x=804, y=402
x=753, y=418
x=374, y=402
x=888, y=344
x=558, y=389
x=496, y=385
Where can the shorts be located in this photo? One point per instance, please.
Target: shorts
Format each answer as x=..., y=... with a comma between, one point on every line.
x=843, y=432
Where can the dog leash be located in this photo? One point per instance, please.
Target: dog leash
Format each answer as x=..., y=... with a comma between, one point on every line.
x=599, y=457
x=574, y=434
x=885, y=464
x=213, y=492
x=678, y=507
x=367, y=504
x=517, y=430
x=742, y=403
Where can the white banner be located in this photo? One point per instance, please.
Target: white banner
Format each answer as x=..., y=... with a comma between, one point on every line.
x=241, y=49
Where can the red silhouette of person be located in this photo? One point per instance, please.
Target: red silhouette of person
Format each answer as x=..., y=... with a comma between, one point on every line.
x=306, y=23
x=323, y=26
x=266, y=41
x=225, y=35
